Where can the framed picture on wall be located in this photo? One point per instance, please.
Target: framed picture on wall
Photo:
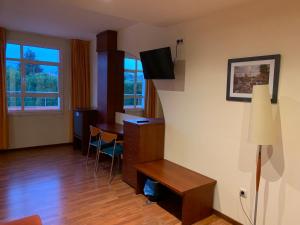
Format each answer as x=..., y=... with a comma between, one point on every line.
x=243, y=73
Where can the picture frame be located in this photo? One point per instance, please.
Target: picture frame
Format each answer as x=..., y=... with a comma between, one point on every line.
x=243, y=73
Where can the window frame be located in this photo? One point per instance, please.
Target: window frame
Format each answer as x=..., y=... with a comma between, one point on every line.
x=23, y=93
x=135, y=97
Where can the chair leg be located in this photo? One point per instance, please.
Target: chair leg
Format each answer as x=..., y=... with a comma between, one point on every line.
x=111, y=169
x=87, y=155
x=119, y=159
x=97, y=160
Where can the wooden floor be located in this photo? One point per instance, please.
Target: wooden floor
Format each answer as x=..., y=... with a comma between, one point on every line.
x=55, y=183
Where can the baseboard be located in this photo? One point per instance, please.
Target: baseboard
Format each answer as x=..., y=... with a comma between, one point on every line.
x=35, y=147
x=227, y=218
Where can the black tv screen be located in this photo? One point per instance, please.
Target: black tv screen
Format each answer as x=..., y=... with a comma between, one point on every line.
x=158, y=64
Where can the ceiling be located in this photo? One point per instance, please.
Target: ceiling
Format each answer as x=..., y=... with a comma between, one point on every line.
x=85, y=18
x=158, y=12
x=57, y=18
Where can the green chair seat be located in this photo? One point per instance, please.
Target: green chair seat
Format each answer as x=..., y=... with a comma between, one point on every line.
x=109, y=150
x=94, y=143
x=103, y=144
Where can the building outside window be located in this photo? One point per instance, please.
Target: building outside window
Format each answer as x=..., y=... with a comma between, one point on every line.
x=33, y=78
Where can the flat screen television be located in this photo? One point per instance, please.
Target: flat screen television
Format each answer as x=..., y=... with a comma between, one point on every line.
x=158, y=64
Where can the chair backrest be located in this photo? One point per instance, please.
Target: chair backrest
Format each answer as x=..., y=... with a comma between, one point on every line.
x=108, y=137
x=95, y=131
x=32, y=220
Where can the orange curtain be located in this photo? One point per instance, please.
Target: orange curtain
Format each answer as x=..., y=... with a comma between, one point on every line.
x=80, y=66
x=3, y=103
x=150, y=100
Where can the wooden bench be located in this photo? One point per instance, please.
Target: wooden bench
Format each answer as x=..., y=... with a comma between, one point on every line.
x=190, y=194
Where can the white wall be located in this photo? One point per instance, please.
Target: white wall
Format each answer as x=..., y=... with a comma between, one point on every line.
x=38, y=129
x=120, y=117
x=208, y=134
x=141, y=36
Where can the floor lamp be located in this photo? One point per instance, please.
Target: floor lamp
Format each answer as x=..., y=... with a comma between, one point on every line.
x=261, y=128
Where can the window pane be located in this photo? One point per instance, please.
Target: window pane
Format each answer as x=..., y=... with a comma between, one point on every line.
x=41, y=103
x=139, y=65
x=140, y=76
x=130, y=64
x=52, y=102
x=129, y=102
x=140, y=86
x=13, y=51
x=14, y=103
x=13, y=77
x=41, y=54
x=41, y=78
x=140, y=102
x=128, y=83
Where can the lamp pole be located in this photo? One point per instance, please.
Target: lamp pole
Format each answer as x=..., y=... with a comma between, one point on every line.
x=258, y=172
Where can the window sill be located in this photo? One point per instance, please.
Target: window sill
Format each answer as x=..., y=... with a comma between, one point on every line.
x=134, y=111
x=132, y=108
x=35, y=113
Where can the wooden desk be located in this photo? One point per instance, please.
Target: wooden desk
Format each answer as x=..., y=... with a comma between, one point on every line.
x=112, y=128
x=194, y=191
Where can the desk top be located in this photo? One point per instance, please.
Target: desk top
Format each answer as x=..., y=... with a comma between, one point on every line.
x=111, y=127
x=175, y=177
x=145, y=121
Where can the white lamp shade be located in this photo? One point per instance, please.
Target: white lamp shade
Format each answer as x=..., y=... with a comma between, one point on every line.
x=261, y=130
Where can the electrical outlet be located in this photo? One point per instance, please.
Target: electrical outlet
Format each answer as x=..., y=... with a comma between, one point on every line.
x=243, y=193
x=179, y=41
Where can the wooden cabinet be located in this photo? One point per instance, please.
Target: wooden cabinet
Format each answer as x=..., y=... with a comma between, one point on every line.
x=82, y=119
x=143, y=142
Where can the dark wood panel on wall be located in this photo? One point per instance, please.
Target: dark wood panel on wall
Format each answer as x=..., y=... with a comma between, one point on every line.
x=107, y=41
x=116, y=83
x=110, y=84
x=102, y=86
x=110, y=77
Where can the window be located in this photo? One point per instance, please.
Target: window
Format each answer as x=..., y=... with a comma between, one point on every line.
x=32, y=78
x=134, y=83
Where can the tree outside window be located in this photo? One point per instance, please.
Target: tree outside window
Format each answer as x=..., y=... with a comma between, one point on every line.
x=32, y=78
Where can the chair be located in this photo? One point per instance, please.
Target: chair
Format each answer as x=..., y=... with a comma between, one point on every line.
x=94, y=141
x=114, y=150
x=31, y=220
